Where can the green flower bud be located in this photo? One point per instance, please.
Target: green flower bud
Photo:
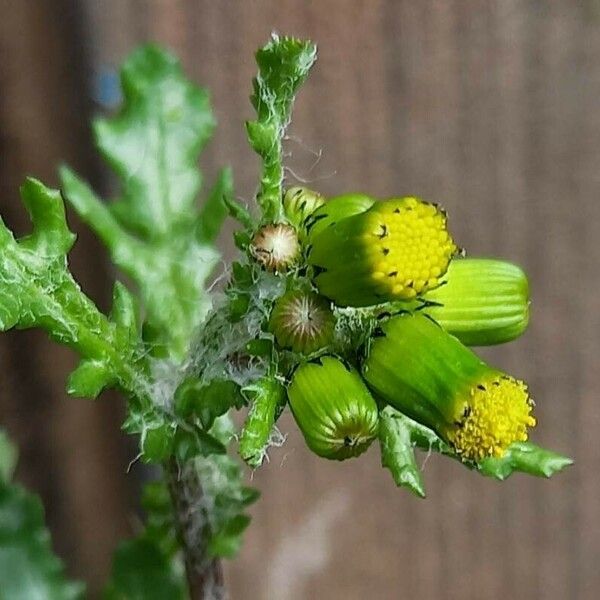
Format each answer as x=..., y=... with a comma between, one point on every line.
x=481, y=301
x=395, y=250
x=276, y=247
x=336, y=209
x=302, y=321
x=424, y=372
x=299, y=203
x=333, y=408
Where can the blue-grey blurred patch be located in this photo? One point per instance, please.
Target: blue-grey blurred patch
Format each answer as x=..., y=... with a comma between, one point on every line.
x=107, y=88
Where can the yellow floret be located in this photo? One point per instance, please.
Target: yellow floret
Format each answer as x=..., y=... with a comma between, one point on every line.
x=496, y=414
x=407, y=246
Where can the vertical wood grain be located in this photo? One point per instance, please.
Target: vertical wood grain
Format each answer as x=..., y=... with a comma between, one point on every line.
x=71, y=451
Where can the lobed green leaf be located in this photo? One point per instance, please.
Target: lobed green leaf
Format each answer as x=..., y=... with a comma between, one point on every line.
x=141, y=571
x=37, y=290
x=28, y=567
x=154, y=232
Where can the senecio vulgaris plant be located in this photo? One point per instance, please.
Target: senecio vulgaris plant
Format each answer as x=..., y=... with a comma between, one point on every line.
x=355, y=312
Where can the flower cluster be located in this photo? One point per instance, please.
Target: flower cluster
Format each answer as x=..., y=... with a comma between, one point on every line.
x=379, y=310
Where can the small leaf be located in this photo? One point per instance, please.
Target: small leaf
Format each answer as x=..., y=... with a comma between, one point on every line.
x=268, y=397
x=249, y=495
x=28, y=567
x=142, y=572
x=239, y=304
x=89, y=379
x=160, y=520
x=124, y=309
x=157, y=444
x=397, y=451
x=207, y=401
x=227, y=541
x=242, y=275
x=189, y=444
x=260, y=347
x=51, y=235
x=526, y=458
x=215, y=210
x=239, y=212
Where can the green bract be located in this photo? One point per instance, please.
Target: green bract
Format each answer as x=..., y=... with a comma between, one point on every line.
x=481, y=301
x=333, y=408
x=336, y=209
x=299, y=203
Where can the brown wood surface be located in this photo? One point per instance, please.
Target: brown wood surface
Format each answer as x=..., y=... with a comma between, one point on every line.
x=490, y=108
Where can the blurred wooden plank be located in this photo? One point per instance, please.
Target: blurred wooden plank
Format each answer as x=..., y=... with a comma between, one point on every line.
x=71, y=450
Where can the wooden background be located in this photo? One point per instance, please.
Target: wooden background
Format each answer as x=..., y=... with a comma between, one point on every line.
x=491, y=108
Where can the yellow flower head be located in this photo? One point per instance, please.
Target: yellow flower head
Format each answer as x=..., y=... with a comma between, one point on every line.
x=395, y=250
x=496, y=413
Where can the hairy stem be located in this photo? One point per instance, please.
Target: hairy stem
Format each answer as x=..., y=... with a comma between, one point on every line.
x=204, y=574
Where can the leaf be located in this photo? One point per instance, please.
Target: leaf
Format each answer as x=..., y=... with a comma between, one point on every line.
x=154, y=142
x=521, y=457
x=89, y=379
x=215, y=209
x=207, y=401
x=154, y=232
x=28, y=567
x=51, y=236
x=141, y=571
x=526, y=458
x=268, y=397
x=397, y=451
x=160, y=521
x=283, y=65
x=125, y=309
x=8, y=458
x=227, y=541
x=37, y=290
x=157, y=444
x=239, y=212
x=189, y=444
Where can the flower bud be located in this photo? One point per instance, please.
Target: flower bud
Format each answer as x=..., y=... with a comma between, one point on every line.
x=276, y=247
x=333, y=408
x=395, y=250
x=481, y=301
x=302, y=321
x=424, y=372
x=299, y=203
x=336, y=209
